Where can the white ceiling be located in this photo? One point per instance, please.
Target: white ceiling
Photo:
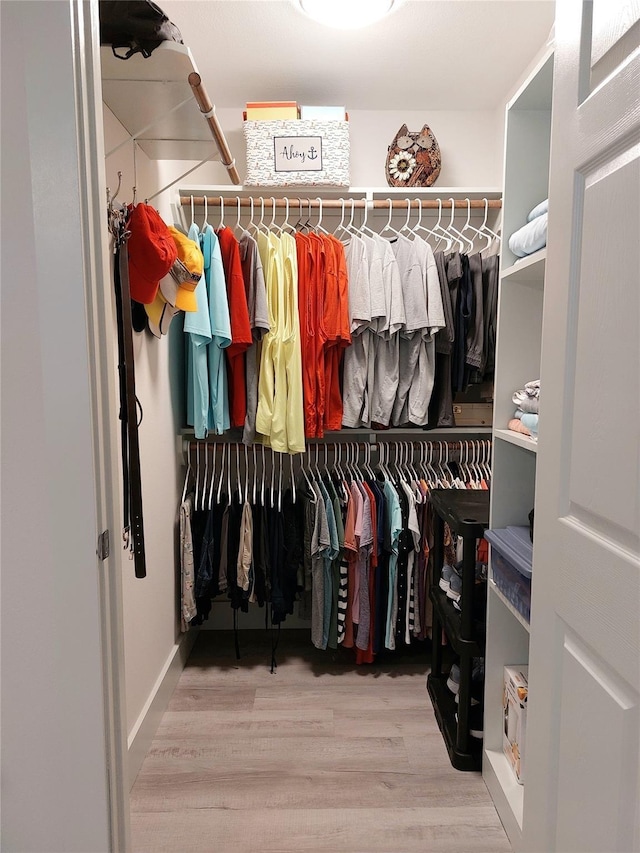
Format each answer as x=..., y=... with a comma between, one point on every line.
x=435, y=54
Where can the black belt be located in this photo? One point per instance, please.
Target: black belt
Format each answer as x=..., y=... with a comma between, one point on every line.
x=133, y=528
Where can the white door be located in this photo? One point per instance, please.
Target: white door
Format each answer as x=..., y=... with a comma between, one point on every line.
x=581, y=789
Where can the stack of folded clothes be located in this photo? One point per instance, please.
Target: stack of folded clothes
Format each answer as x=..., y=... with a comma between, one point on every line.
x=527, y=400
x=533, y=236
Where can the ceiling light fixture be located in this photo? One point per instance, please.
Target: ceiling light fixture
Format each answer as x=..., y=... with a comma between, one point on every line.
x=347, y=14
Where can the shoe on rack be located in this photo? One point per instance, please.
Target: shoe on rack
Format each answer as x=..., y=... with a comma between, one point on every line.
x=455, y=587
x=476, y=724
x=453, y=679
x=445, y=577
x=477, y=682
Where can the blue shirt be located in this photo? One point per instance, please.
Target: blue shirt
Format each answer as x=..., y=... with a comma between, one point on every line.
x=220, y=323
x=197, y=328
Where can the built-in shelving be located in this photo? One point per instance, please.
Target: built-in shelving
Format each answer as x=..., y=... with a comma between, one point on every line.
x=516, y=438
x=529, y=270
x=521, y=619
x=518, y=354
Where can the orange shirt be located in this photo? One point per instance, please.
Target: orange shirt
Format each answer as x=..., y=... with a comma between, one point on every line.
x=241, y=338
x=307, y=314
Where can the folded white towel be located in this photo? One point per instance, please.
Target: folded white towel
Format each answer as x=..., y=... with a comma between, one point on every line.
x=530, y=238
x=538, y=210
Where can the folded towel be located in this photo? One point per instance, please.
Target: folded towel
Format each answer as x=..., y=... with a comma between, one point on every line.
x=538, y=210
x=517, y=426
x=526, y=403
x=530, y=238
x=528, y=420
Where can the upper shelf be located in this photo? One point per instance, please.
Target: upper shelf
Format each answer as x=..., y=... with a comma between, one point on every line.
x=154, y=102
x=529, y=270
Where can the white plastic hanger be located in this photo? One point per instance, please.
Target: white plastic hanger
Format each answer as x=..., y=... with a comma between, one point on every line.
x=246, y=474
x=237, y=225
x=186, y=478
x=293, y=479
x=364, y=228
x=388, y=226
x=218, y=496
x=206, y=213
x=340, y=228
x=262, y=503
x=206, y=476
x=440, y=232
x=193, y=212
x=213, y=476
x=280, y=466
x=453, y=230
x=221, y=225
x=468, y=226
x=255, y=473
x=491, y=235
x=197, y=485
x=318, y=225
x=272, y=225
x=405, y=228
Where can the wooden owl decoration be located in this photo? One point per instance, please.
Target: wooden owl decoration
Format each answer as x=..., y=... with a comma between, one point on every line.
x=413, y=159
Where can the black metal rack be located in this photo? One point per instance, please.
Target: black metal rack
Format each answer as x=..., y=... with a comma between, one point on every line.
x=467, y=514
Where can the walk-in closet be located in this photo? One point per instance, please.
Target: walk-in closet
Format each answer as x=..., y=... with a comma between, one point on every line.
x=317, y=320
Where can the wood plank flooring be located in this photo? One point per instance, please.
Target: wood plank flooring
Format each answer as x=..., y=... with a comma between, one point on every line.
x=321, y=756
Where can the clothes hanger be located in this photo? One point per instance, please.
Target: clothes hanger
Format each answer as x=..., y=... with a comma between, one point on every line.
x=229, y=473
x=186, y=478
x=273, y=475
x=193, y=213
x=236, y=227
x=293, y=479
x=388, y=226
x=340, y=227
x=262, y=503
x=351, y=227
x=318, y=225
x=255, y=475
x=197, y=483
x=468, y=226
x=484, y=227
x=280, y=482
x=453, y=230
x=218, y=496
x=221, y=225
x=205, y=223
x=440, y=232
x=246, y=474
x=238, y=481
x=405, y=227
x=272, y=225
x=206, y=475
x=364, y=228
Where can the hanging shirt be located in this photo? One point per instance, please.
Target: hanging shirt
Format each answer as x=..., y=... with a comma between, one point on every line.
x=416, y=320
x=356, y=358
x=241, y=338
x=395, y=529
x=256, y=294
x=337, y=327
x=308, y=326
x=220, y=334
x=293, y=403
x=197, y=328
x=269, y=249
x=382, y=391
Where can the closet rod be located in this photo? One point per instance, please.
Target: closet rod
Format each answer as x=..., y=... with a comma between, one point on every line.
x=209, y=112
x=337, y=203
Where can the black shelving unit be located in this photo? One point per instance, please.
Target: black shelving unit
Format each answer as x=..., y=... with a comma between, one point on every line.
x=467, y=514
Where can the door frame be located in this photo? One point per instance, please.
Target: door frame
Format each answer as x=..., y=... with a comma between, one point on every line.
x=104, y=404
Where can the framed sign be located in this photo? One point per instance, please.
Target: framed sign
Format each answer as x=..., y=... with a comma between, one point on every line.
x=297, y=153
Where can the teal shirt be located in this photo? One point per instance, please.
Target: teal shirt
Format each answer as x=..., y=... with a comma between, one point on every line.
x=197, y=329
x=218, y=418
x=395, y=523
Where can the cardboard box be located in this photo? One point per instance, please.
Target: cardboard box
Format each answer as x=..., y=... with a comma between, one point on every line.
x=323, y=113
x=473, y=414
x=270, y=110
x=514, y=706
x=297, y=153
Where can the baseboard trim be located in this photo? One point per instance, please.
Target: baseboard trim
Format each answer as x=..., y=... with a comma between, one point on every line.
x=146, y=725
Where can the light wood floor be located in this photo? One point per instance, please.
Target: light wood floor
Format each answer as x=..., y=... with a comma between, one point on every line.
x=322, y=756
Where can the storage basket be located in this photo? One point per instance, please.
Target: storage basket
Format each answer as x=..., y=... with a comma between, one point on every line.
x=511, y=565
x=294, y=153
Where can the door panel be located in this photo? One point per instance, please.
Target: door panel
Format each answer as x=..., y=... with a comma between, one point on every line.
x=582, y=789
x=589, y=695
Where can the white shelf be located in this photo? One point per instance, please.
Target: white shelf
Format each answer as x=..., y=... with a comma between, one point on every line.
x=517, y=438
x=529, y=270
x=500, y=595
x=147, y=95
x=507, y=794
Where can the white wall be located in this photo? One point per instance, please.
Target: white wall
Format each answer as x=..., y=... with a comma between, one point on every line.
x=467, y=141
x=151, y=627
x=54, y=767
